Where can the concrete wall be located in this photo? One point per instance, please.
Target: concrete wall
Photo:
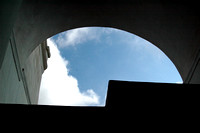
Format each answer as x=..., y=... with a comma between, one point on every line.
x=21, y=84
x=8, y=13
x=33, y=71
x=11, y=87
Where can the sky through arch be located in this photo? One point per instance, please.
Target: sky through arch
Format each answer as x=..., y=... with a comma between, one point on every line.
x=84, y=60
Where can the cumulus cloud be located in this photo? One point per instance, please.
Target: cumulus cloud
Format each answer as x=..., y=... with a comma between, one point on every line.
x=60, y=88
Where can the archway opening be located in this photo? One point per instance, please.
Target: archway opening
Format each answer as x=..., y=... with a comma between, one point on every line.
x=83, y=60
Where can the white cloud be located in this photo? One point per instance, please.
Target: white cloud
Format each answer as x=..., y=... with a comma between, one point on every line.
x=106, y=30
x=60, y=88
x=140, y=44
x=179, y=82
x=81, y=35
x=77, y=36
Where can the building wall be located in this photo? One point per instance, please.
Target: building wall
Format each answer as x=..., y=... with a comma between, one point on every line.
x=11, y=87
x=33, y=71
x=21, y=83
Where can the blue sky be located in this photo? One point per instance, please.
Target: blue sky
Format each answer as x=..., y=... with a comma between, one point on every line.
x=91, y=56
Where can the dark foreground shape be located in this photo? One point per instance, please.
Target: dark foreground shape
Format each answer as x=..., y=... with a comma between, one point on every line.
x=132, y=100
x=143, y=97
x=130, y=106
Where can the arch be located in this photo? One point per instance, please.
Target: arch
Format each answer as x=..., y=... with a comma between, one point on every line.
x=173, y=30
